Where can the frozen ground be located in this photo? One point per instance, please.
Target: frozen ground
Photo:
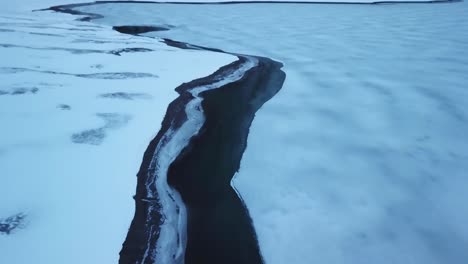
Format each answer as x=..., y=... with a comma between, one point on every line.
x=79, y=104
x=362, y=157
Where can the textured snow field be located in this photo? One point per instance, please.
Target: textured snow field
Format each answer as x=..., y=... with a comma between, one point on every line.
x=362, y=157
x=76, y=119
x=27, y=5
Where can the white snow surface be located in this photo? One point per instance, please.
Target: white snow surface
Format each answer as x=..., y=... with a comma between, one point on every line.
x=76, y=121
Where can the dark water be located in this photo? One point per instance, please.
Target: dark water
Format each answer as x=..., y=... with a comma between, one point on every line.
x=219, y=227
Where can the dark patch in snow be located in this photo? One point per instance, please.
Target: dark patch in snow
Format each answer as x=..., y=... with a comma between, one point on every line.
x=64, y=107
x=94, y=41
x=7, y=70
x=89, y=26
x=81, y=29
x=116, y=52
x=102, y=75
x=117, y=75
x=20, y=91
x=125, y=96
x=91, y=137
x=17, y=18
x=129, y=50
x=6, y=30
x=45, y=34
x=97, y=66
x=448, y=247
x=96, y=136
x=50, y=85
x=362, y=236
x=73, y=51
x=444, y=103
x=382, y=90
x=11, y=224
x=68, y=9
x=135, y=30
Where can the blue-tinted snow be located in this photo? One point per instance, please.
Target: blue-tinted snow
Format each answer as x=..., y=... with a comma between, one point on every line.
x=67, y=177
x=363, y=155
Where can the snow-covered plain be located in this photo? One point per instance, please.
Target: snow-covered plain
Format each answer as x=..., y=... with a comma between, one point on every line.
x=27, y=5
x=363, y=156
x=79, y=104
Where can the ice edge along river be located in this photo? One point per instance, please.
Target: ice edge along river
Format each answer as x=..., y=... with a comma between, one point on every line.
x=173, y=209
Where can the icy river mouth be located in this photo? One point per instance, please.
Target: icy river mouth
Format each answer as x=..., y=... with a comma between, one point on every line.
x=361, y=157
